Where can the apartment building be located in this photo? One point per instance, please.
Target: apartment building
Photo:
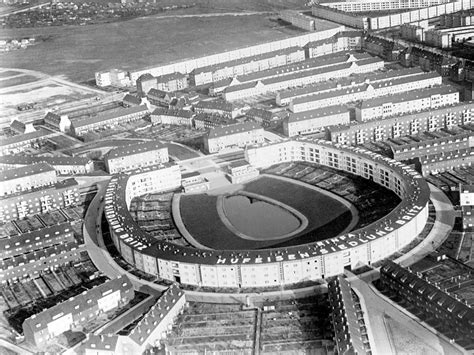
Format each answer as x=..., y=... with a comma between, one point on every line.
x=307, y=122
x=62, y=194
x=60, y=123
x=342, y=41
x=81, y=127
x=135, y=156
x=208, y=121
x=246, y=65
x=406, y=102
x=446, y=161
x=379, y=5
x=26, y=178
x=19, y=143
x=236, y=135
x=77, y=311
x=217, y=107
x=466, y=198
x=62, y=165
x=393, y=127
x=365, y=91
x=172, y=117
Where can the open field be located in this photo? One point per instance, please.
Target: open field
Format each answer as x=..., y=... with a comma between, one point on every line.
x=78, y=51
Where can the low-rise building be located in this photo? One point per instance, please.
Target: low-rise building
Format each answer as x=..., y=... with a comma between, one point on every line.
x=406, y=102
x=241, y=171
x=172, y=117
x=145, y=83
x=135, y=156
x=285, y=97
x=342, y=41
x=437, y=145
x=393, y=127
x=159, y=97
x=62, y=165
x=300, y=78
x=77, y=311
x=207, y=121
x=347, y=319
x=441, y=307
x=34, y=262
x=466, y=201
x=264, y=117
x=441, y=162
x=194, y=182
x=171, y=82
x=81, y=127
x=236, y=135
x=17, y=206
x=131, y=100
x=61, y=123
x=219, y=107
x=365, y=91
x=112, y=77
x=146, y=334
x=26, y=178
x=313, y=121
x=21, y=142
x=11, y=246
x=21, y=128
x=245, y=65
x=298, y=19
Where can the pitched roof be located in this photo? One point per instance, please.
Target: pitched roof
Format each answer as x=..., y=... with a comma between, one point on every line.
x=408, y=96
x=233, y=129
x=132, y=99
x=172, y=112
x=133, y=149
x=52, y=117
x=240, y=61
x=169, y=77
x=110, y=116
x=29, y=160
x=25, y=171
x=319, y=112
x=215, y=105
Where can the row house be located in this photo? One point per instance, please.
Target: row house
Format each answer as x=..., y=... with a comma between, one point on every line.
x=60, y=123
x=21, y=142
x=449, y=314
x=437, y=145
x=81, y=127
x=314, y=121
x=236, y=135
x=342, y=41
x=34, y=262
x=77, y=311
x=394, y=127
x=365, y=91
x=207, y=121
x=406, y=102
x=284, y=98
x=11, y=246
x=62, y=165
x=217, y=107
x=265, y=118
x=238, y=92
x=246, y=65
x=446, y=161
x=176, y=117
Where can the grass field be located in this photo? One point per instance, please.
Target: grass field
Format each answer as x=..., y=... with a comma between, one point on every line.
x=17, y=80
x=79, y=51
x=323, y=222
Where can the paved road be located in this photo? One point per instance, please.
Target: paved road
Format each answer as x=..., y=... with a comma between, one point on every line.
x=216, y=14
x=14, y=348
x=444, y=222
x=4, y=14
x=376, y=306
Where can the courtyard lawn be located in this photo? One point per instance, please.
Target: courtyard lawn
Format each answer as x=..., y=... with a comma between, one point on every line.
x=326, y=217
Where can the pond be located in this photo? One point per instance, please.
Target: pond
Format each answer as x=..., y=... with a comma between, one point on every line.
x=259, y=219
